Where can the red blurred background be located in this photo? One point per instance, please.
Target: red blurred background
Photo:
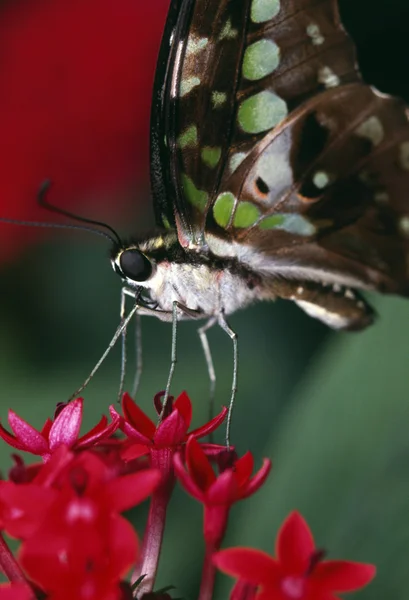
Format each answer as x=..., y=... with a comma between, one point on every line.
x=75, y=90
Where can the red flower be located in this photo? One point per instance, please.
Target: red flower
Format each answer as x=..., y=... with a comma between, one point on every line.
x=83, y=544
x=298, y=572
x=218, y=493
x=171, y=432
x=76, y=81
x=23, y=507
x=63, y=430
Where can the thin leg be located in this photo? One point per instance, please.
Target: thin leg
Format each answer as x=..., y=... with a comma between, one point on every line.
x=123, y=325
x=193, y=314
x=123, y=347
x=173, y=357
x=138, y=350
x=233, y=336
x=209, y=362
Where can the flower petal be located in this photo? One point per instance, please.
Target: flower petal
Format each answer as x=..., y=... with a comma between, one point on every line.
x=26, y=434
x=11, y=439
x=210, y=426
x=66, y=427
x=224, y=489
x=134, y=451
x=244, y=468
x=137, y=418
x=16, y=591
x=127, y=491
x=171, y=431
x=342, y=575
x=295, y=544
x=198, y=465
x=253, y=566
x=103, y=429
x=243, y=591
x=184, y=406
x=258, y=480
x=185, y=479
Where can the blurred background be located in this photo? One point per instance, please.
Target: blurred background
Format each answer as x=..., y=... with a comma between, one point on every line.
x=331, y=410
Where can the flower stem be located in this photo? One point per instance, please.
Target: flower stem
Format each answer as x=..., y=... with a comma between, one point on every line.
x=208, y=575
x=152, y=542
x=8, y=564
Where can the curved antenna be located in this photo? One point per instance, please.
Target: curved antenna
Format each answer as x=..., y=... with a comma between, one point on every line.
x=113, y=240
x=42, y=201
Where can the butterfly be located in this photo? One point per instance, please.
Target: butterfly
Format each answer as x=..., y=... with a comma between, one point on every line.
x=276, y=171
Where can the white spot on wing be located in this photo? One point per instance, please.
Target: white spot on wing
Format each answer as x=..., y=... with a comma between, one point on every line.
x=313, y=31
x=327, y=77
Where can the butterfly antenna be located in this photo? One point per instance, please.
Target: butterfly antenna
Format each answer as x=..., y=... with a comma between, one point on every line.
x=42, y=199
x=112, y=236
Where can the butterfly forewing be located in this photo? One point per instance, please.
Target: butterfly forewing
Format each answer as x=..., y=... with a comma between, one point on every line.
x=269, y=141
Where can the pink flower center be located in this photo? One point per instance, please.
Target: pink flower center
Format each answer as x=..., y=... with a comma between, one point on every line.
x=81, y=510
x=293, y=587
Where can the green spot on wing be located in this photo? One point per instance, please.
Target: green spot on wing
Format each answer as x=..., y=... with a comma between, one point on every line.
x=218, y=99
x=296, y=224
x=272, y=222
x=261, y=112
x=264, y=10
x=260, y=59
x=211, y=156
x=187, y=85
x=246, y=215
x=165, y=222
x=223, y=208
x=188, y=137
x=197, y=198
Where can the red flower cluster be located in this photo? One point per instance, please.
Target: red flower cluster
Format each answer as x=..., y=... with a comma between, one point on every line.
x=75, y=543
x=66, y=511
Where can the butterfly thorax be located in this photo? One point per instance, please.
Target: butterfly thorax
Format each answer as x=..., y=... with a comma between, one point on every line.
x=201, y=282
x=205, y=284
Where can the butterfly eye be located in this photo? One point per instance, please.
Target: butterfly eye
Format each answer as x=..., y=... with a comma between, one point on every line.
x=135, y=265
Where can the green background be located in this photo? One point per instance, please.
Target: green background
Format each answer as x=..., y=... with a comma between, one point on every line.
x=331, y=410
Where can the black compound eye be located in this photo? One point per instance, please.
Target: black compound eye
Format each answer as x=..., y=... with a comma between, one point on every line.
x=135, y=265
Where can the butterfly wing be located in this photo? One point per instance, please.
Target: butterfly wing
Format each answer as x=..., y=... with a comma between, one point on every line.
x=215, y=54
x=273, y=150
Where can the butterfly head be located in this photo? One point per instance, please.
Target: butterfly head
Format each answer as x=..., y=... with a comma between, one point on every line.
x=141, y=264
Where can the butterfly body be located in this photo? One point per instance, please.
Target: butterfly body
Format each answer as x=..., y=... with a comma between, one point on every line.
x=276, y=170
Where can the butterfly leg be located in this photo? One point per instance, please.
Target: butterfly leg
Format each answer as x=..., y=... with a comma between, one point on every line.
x=233, y=336
x=138, y=345
x=122, y=326
x=193, y=314
x=202, y=331
x=139, y=357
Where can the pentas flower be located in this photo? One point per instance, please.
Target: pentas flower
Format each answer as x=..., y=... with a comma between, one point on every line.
x=171, y=432
x=217, y=492
x=84, y=547
x=160, y=442
x=64, y=429
x=299, y=571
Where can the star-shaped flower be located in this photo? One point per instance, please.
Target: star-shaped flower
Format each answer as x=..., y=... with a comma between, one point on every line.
x=217, y=492
x=64, y=429
x=298, y=572
x=170, y=433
